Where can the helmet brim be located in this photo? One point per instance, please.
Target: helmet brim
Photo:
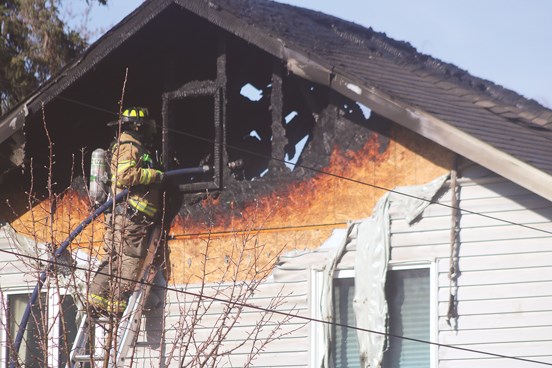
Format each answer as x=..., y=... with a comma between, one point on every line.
x=124, y=122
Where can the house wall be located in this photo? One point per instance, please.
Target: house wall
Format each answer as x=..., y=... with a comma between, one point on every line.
x=15, y=269
x=347, y=164
x=290, y=348
x=211, y=243
x=351, y=158
x=300, y=214
x=17, y=275
x=503, y=288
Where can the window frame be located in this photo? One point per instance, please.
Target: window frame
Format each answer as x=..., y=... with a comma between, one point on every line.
x=316, y=280
x=213, y=90
x=53, y=299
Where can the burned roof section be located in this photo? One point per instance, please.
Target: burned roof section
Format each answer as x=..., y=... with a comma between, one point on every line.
x=436, y=99
x=421, y=84
x=339, y=43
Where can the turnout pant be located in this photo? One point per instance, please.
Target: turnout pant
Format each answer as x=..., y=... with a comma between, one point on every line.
x=126, y=241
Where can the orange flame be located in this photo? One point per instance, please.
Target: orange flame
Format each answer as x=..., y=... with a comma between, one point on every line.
x=303, y=215
x=53, y=224
x=297, y=216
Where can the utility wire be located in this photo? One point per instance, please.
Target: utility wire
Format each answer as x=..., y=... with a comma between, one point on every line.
x=214, y=234
x=223, y=233
x=285, y=314
x=323, y=172
x=309, y=319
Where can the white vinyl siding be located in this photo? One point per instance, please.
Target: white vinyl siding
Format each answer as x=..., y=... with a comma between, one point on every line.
x=14, y=270
x=290, y=350
x=505, y=285
x=504, y=290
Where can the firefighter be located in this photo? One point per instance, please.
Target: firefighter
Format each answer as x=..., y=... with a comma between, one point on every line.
x=128, y=227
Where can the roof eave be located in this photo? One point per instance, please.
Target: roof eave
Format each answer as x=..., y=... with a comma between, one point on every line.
x=308, y=67
x=15, y=119
x=425, y=124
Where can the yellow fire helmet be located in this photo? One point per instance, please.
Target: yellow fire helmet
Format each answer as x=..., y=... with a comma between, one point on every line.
x=138, y=117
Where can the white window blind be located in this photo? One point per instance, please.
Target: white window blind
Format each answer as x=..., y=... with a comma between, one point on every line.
x=408, y=298
x=345, y=344
x=32, y=351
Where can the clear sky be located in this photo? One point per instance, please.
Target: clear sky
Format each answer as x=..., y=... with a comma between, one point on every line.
x=506, y=41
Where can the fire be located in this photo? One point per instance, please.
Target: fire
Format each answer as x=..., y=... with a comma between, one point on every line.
x=302, y=215
x=336, y=194
x=236, y=241
x=53, y=224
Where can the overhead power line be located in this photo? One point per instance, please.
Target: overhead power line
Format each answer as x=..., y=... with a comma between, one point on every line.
x=309, y=319
x=322, y=172
x=287, y=314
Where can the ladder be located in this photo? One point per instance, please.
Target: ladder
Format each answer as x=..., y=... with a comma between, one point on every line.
x=88, y=348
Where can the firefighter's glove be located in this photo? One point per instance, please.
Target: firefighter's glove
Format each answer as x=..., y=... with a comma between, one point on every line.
x=160, y=177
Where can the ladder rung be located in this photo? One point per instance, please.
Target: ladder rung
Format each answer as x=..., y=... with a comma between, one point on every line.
x=101, y=320
x=128, y=325
x=87, y=358
x=144, y=344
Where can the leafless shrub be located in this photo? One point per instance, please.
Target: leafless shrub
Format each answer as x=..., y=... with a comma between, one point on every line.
x=216, y=321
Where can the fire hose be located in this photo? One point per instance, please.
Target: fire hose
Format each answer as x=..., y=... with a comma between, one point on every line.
x=63, y=246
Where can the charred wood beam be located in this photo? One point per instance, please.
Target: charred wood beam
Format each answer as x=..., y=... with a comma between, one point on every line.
x=216, y=89
x=221, y=155
x=279, y=140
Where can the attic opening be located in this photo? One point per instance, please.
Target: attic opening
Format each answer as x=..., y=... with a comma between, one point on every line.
x=302, y=104
x=271, y=113
x=248, y=134
x=292, y=154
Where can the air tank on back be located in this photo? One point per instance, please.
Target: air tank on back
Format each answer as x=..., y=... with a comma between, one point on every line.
x=99, y=188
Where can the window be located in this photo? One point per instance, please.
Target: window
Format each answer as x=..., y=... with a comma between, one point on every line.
x=193, y=124
x=345, y=350
x=408, y=301
x=50, y=331
x=411, y=309
x=192, y=134
x=31, y=352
